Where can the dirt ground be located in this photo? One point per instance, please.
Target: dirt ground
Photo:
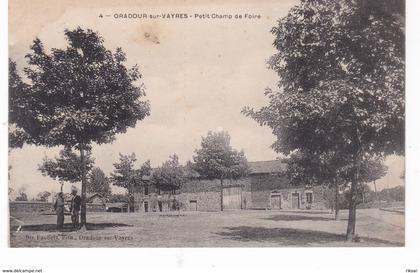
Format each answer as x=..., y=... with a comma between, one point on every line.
x=211, y=229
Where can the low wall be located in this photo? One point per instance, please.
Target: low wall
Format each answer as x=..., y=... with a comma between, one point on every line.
x=30, y=207
x=35, y=207
x=93, y=207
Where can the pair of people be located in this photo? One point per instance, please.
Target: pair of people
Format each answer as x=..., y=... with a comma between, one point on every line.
x=76, y=202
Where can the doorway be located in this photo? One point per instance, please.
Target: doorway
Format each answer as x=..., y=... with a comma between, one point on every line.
x=275, y=201
x=193, y=205
x=232, y=198
x=295, y=201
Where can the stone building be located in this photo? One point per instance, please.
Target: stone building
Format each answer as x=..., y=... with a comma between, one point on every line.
x=264, y=188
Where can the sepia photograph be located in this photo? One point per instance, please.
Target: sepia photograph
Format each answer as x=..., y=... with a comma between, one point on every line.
x=207, y=124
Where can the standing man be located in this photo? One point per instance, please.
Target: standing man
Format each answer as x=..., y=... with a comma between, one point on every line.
x=59, y=210
x=76, y=202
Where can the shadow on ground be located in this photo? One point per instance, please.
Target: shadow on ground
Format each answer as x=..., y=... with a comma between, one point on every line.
x=306, y=211
x=291, y=217
x=68, y=227
x=289, y=236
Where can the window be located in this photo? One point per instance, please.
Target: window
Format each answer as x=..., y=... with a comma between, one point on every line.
x=146, y=190
x=309, y=197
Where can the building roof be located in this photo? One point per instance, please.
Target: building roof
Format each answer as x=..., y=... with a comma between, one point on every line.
x=269, y=166
x=257, y=167
x=90, y=196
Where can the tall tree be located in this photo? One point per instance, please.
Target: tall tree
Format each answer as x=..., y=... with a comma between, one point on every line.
x=78, y=96
x=216, y=159
x=98, y=182
x=125, y=174
x=170, y=175
x=341, y=68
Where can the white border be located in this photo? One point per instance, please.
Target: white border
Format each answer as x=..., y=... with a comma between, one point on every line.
x=244, y=259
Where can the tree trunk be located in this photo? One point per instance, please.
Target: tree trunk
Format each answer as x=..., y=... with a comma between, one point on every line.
x=351, y=225
x=221, y=194
x=130, y=198
x=83, y=197
x=376, y=192
x=336, y=202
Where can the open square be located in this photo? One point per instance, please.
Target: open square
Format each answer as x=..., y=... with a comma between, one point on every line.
x=246, y=228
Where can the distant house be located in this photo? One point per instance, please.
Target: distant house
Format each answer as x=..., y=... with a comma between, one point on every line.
x=264, y=188
x=95, y=202
x=95, y=198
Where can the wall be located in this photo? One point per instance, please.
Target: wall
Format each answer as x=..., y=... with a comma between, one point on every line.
x=262, y=199
x=205, y=192
x=256, y=192
x=95, y=207
x=45, y=207
x=30, y=207
x=261, y=187
x=206, y=201
x=319, y=198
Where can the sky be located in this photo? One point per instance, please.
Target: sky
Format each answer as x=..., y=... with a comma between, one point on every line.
x=198, y=74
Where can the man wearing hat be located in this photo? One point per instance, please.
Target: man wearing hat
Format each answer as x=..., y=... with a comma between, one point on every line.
x=76, y=202
x=59, y=210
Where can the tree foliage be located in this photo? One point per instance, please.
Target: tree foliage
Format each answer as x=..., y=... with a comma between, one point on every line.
x=22, y=196
x=341, y=69
x=43, y=196
x=17, y=136
x=341, y=89
x=67, y=166
x=216, y=159
x=145, y=169
x=117, y=197
x=77, y=96
x=329, y=169
x=80, y=94
x=392, y=194
x=170, y=175
x=98, y=182
x=125, y=174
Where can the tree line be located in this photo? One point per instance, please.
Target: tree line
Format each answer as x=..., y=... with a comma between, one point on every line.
x=215, y=159
x=337, y=111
